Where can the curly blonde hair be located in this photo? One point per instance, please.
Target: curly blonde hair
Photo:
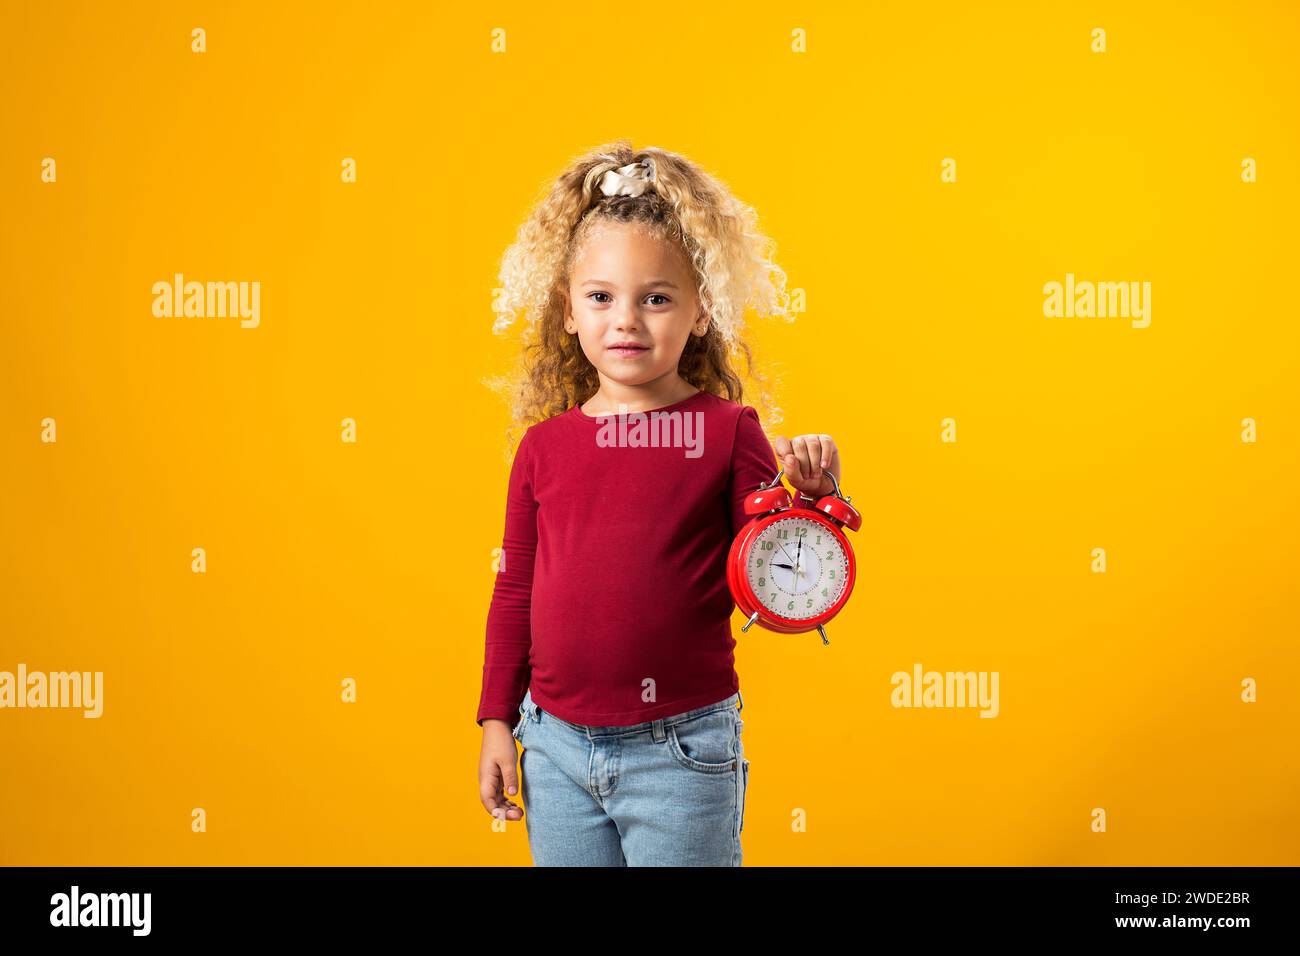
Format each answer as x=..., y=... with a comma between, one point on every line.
x=731, y=259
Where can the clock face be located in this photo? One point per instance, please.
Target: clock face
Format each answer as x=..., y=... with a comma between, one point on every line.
x=797, y=568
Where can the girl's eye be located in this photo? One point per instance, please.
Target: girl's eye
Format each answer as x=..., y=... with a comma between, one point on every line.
x=653, y=295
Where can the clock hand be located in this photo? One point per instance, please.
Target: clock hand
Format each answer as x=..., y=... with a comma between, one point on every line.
x=795, y=569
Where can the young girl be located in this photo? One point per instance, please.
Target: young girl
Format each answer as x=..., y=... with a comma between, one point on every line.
x=609, y=647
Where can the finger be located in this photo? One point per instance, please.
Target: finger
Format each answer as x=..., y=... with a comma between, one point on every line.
x=801, y=455
x=784, y=451
x=831, y=455
x=830, y=451
x=782, y=447
x=489, y=791
x=815, y=458
x=494, y=803
x=507, y=811
x=790, y=462
x=510, y=776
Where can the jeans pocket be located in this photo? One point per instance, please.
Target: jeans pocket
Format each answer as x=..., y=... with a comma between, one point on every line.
x=705, y=744
x=744, y=790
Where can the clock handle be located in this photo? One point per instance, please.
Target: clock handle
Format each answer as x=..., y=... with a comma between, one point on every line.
x=834, y=481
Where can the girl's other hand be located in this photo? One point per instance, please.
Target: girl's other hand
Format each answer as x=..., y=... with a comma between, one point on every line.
x=497, y=774
x=806, y=460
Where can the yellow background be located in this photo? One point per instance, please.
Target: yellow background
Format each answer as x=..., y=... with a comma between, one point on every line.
x=374, y=561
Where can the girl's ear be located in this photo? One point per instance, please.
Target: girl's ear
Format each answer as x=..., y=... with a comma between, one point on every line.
x=702, y=322
x=570, y=325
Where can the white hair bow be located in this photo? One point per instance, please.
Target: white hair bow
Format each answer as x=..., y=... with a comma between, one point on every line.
x=630, y=180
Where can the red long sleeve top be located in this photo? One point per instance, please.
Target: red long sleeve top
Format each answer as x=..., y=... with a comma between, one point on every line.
x=611, y=598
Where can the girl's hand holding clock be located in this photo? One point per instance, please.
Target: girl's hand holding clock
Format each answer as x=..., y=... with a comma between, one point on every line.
x=806, y=459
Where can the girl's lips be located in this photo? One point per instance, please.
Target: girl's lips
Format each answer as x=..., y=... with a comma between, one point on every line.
x=627, y=351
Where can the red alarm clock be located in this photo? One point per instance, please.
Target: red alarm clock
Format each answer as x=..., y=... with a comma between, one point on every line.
x=791, y=569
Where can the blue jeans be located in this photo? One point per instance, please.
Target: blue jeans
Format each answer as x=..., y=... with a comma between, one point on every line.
x=668, y=792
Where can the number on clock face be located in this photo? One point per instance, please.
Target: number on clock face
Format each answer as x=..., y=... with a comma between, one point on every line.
x=797, y=568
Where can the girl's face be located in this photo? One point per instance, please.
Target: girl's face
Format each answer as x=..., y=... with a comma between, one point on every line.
x=628, y=286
